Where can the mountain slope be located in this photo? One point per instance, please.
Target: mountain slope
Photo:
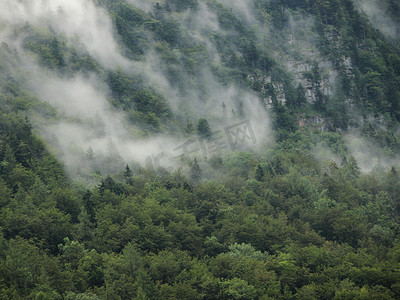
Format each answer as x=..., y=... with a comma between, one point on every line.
x=199, y=149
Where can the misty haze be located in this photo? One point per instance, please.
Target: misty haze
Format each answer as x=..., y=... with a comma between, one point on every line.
x=199, y=149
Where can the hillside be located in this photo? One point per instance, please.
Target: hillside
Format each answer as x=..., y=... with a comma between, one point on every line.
x=199, y=149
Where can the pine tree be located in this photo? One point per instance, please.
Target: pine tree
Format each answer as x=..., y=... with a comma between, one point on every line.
x=189, y=127
x=90, y=154
x=203, y=129
x=128, y=175
x=109, y=184
x=300, y=96
x=195, y=171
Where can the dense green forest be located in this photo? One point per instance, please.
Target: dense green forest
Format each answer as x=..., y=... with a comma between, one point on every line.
x=302, y=201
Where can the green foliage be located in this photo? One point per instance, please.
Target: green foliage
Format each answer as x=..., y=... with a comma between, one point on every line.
x=237, y=289
x=144, y=106
x=282, y=223
x=203, y=129
x=195, y=171
x=259, y=173
x=303, y=228
x=55, y=52
x=181, y=5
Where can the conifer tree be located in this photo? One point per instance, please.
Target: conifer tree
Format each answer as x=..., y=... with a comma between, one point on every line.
x=195, y=171
x=128, y=174
x=203, y=129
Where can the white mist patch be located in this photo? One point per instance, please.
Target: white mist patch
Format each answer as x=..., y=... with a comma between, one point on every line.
x=242, y=8
x=204, y=20
x=146, y=5
x=73, y=139
x=377, y=13
x=149, y=68
x=368, y=155
x=222, y=105
x=75, y=97
x=89, y=122
x=202, y=24
x=82, y=21
x=324, y=154
x=208, y=100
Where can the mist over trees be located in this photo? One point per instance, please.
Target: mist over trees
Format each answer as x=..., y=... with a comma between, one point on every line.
x=199, y=149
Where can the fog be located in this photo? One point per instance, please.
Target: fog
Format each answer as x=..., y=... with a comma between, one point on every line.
x=377, y=11
x=241, y=8
x=370, y=156
x=208, y=100
x=82, y=22
x=146, y=5
x=86, y=124
x=86, y=121
x=90, y=135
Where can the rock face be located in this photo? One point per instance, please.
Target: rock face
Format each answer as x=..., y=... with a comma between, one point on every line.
x=308, y=66
x=317, y=76
x=315, y=122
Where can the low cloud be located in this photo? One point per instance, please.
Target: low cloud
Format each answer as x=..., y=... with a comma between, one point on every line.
x=83, y=22
x=87, y=123
x=368, y=155
x=146, y=5
x=377, y=11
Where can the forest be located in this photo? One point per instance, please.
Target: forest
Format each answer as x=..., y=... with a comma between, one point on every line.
x=199, y=149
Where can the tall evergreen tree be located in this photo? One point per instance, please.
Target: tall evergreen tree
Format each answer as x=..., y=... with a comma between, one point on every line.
x=128, y=174
x=203, y=129
x=195, y=171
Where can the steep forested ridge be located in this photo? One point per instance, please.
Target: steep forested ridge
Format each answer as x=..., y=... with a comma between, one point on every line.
x=293, y=191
